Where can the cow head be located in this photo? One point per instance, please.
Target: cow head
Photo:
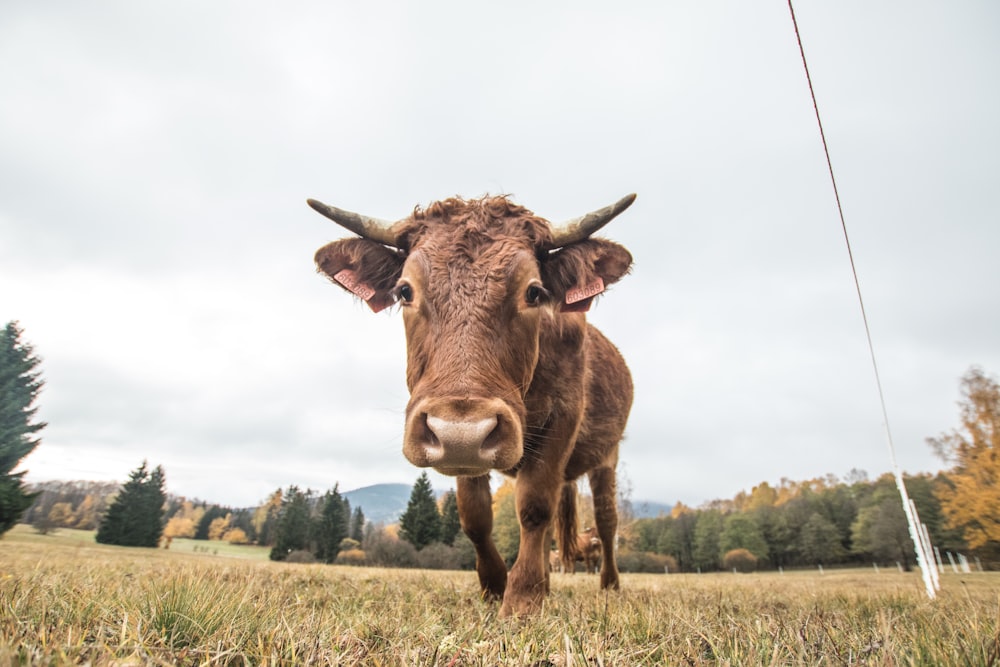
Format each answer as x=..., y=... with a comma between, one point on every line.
x=476, y=282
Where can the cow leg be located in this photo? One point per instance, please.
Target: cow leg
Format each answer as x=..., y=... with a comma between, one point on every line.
x=548, y=560
x=536, y=500
x=602, y=485
x=567, y=523
x=475, y=512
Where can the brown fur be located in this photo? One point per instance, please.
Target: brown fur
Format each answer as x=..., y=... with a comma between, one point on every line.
x=500, y=381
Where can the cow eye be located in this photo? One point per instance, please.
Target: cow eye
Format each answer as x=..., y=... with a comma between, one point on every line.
x=404, y=293
x=534, y=295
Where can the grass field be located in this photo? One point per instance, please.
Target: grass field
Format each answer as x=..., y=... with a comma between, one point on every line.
x=66, y=600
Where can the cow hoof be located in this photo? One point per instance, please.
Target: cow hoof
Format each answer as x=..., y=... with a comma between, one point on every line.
x=491, y=596
x=520, y=607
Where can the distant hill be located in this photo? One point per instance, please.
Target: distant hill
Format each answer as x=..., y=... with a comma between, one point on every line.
x=381, y=503
x=650, y=509
x=385, y=503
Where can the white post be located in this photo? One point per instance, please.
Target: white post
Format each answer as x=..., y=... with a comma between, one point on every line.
x=965, y=563
x=926, y=536
x=913, y=523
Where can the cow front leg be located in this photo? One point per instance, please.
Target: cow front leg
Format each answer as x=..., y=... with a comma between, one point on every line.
x=536, y=502
x=602, y=486
x=475, y=512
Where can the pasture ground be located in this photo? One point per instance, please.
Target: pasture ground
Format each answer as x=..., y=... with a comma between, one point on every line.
x=66, y=600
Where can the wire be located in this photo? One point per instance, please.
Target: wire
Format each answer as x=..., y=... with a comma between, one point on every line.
x=920, y=542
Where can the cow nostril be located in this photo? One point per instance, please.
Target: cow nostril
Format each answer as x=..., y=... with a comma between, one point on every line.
x=428, y=434
x=494, y=438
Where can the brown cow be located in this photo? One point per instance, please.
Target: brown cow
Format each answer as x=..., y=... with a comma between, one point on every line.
x=503, y=370
x=555, y=561
x=588, y=548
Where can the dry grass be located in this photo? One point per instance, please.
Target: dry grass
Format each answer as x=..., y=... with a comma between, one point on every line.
x=65, y=600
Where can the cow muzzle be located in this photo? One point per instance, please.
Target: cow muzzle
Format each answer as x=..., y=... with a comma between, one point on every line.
x=463, y=436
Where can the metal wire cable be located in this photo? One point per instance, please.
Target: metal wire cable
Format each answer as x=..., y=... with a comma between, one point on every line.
x=920, y=541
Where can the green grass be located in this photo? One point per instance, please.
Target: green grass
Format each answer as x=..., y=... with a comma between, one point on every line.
x=64, y=600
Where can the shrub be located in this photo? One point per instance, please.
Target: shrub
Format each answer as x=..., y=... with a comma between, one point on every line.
x=740, y=560
x=348, y=543
x=437, y=556
x=645, y=561
x=384, y=550
x=351, y=557
x=236, y=536
x=300, y=556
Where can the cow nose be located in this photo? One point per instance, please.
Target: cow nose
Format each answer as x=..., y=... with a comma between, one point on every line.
x=459, y=445
x=460, y=434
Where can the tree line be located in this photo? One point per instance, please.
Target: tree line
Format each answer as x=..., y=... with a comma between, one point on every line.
x=822, y=521
x=799, y=524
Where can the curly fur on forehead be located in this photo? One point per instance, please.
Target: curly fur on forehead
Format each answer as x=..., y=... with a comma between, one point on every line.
x=478, y=221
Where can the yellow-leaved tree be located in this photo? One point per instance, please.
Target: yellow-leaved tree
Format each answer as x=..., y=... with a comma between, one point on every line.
x=970, y=497
x=506, y=527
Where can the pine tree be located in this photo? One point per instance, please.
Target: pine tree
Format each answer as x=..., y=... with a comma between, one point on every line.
x=332, y=525
x=293, y=526
x=421, y=524
x=135, y=517
x=450, y=523
x=19, y=387
x=358, y=525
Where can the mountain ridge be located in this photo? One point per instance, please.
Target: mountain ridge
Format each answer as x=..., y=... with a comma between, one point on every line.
x=385, y=503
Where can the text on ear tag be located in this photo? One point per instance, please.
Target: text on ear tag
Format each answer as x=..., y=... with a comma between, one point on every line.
x=585, y=292
x=349, y=279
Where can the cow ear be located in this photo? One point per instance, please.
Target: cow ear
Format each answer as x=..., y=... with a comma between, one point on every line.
x=367, y=269
x=579, y=272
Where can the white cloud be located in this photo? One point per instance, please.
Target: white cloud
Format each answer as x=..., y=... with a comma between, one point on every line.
x=157, y=249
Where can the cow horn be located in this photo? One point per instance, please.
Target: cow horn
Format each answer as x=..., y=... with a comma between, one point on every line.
x=581, y=228
x=370, y=228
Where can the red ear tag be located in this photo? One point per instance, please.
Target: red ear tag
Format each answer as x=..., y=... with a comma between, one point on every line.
x=354, y=285
x=585, y=292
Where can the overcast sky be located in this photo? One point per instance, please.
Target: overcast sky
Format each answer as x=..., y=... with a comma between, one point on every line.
x=156, y=247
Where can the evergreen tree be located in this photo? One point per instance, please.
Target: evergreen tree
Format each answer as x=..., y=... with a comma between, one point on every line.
x=332, y=525
x=293, y=526
x=358, y=525
x=706, y=540
x=421, y=524
x=135, y=517
x=19, y=386
x=450, y=523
